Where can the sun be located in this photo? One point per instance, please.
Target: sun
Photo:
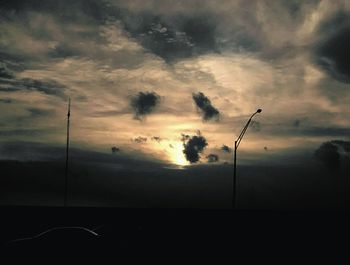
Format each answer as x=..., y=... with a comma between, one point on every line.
x=171, y=151
x=176, y=154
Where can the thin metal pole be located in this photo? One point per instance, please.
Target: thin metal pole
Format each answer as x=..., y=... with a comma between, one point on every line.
x=237, y=142
x=67, y=148
x=234, y=176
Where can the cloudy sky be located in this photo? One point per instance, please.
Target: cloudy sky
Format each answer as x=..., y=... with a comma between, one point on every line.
x=175, y=81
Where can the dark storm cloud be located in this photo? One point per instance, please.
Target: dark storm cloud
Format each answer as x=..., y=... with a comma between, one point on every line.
x=160, y=38
x=212, y=158
x=156, y=138
x=35, y=112
x=64, y=51
x=49, y=87
x=115, y=150
x=188, y=28
x=140, y=140
x=201, y=30
x=174, y=37
x=328, y=154
x=226, y=148
x=203, y=103
x=333, y=52
x=9, y=89
x=331, y=25
x=169, y=35
x=193, y=146
x=144, y=103
x=5, y=72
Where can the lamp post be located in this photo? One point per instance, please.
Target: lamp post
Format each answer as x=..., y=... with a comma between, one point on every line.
x=237, y=142
x=66, y=168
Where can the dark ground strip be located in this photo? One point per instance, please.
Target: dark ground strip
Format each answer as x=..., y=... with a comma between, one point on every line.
x=163, y=235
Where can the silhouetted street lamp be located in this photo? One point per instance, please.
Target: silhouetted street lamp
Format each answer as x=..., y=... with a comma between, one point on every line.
x=66, y=168
x=237, y=142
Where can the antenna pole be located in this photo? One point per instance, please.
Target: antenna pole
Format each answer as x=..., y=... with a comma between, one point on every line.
x=67, y=148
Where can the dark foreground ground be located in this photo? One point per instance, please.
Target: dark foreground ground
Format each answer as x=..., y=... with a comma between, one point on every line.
x=126, y=236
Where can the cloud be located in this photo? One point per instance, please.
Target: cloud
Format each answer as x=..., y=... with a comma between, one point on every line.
x=193, y=146
x=210, y=27
x=49, y=87
x=226, y=148
x=46, y=86
x=37, y=32
x=328, y=154
x=36, y=112
x=140, y=140
x=160, y=38
x=144, y=103
x=5, y=72
x=64, y=51
x=212, y=158
x=203, y=103
x=333, y=53
x=157, y=139
x=172, y=37
x=115, y=150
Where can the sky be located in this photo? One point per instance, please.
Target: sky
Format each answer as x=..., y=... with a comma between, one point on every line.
x=174, y=82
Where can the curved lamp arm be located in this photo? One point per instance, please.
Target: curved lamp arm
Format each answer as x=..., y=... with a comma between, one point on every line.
x=240, y=137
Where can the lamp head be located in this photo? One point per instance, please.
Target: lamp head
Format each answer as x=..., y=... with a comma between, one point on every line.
x=259, y=110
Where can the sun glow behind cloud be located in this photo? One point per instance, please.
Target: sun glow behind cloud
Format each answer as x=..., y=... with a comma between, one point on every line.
x=170, y=151
x=176, y=154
